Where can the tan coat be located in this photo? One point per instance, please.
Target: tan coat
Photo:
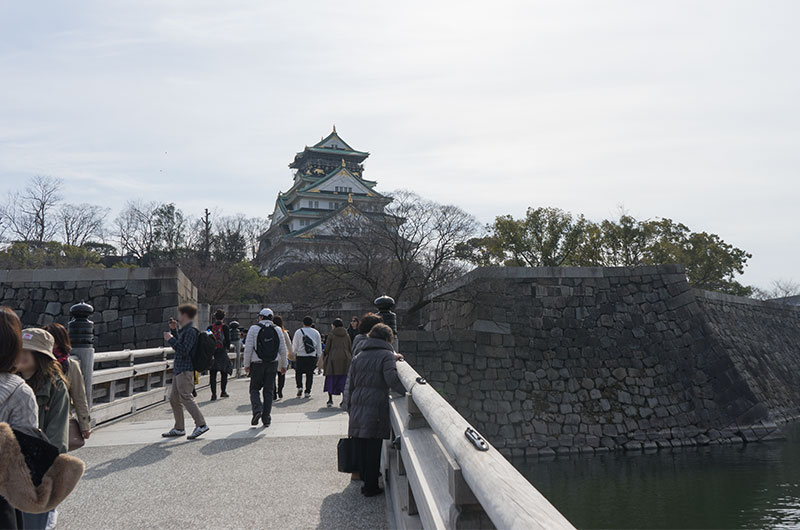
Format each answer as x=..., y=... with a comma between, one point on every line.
x=338, y=352
x=77, y=396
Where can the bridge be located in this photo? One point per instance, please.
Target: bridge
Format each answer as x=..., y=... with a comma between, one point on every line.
x=284, y=476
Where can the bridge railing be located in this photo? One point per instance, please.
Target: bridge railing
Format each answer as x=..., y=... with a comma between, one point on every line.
x=126, y=381
x=438, y=478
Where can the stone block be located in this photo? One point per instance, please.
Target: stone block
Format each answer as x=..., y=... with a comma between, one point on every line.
x=53, y=308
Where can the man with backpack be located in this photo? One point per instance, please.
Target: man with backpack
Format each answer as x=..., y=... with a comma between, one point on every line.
x=307, y=345
x=187, y=349
x=264, y=352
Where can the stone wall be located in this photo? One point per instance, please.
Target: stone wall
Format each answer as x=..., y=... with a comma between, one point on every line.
x=548, y=360
x=247, y=314
x=131, y=305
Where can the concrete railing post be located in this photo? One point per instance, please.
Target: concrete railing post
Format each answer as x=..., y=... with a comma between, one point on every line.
x=385, y=304
x=81, y=334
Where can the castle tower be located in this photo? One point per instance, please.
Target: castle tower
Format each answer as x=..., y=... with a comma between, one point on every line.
x=328, y=182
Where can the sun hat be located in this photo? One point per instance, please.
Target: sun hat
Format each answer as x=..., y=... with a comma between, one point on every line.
x=37, y=339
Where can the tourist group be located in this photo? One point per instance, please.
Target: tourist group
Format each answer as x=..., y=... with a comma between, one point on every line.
x=358, y=362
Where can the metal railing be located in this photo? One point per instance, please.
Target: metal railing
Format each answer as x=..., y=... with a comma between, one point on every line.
x=123, y=382
x=439, y=478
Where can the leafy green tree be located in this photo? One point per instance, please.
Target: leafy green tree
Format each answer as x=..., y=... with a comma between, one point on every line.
x=711, y=263
x=47, y=255
x=545, y=237
x=551, y=237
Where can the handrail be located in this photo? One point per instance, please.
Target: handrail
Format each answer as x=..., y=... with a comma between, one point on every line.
x=134, y=379
x=120, y=355
x=503, y=493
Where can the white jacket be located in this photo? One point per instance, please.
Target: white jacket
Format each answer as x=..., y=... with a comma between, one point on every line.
x=250, y=355
x=300, y=349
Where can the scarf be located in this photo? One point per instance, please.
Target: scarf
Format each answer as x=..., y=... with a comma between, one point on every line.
x=62, y=358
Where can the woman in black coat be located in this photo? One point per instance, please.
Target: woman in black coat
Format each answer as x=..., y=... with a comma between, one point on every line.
x=372, y=374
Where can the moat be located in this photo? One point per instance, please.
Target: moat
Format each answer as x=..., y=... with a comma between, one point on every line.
x=743, y=486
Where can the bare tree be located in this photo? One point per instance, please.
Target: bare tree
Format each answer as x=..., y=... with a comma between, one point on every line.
x=252, y=229
x=405, y=252
x=81, y=223
x=29, y=214
x=778, y=289
x=135, y=228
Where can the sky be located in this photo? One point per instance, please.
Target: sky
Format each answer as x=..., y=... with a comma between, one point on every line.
x=670, y=108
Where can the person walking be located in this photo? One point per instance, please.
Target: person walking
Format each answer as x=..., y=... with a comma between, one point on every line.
x=368, y=321
x=336, y=357
x=18, y=407
x=72, y=370
x=221, y=363
x=372, y=374
x=264, y=355
x=352, y=329
x=38, y=366
x=307, y=345
x=281, y=374
x=184, y=342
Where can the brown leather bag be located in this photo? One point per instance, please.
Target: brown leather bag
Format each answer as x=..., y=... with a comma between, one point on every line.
x=76, y=440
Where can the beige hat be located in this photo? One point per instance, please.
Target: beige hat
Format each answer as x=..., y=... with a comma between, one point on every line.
x=37, y=339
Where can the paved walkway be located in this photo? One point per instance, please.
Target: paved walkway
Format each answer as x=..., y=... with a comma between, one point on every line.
x=235, y=476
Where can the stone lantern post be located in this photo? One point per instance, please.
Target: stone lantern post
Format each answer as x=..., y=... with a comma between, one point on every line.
x=385, y=304
x=81, y=335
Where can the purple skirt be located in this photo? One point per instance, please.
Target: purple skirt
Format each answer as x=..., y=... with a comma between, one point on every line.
x=334, y=384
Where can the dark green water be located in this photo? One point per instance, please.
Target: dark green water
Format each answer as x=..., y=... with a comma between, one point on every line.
x=753, y=486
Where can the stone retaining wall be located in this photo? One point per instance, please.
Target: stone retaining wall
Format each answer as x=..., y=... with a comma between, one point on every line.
x=558, y=360
x=131, y=305
x=247, y=314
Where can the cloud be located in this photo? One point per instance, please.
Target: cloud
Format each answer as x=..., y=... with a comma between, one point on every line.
x=678, y=109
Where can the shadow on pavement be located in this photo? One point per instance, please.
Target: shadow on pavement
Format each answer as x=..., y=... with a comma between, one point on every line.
x=145, y=456
x=350, y=509
x=231, y=443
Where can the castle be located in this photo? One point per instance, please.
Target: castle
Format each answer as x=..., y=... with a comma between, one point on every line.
x=328, y=185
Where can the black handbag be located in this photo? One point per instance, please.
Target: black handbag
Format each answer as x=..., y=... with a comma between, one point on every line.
x=348, y=460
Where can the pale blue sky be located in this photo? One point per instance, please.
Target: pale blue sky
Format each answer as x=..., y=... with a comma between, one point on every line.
x=681, y=109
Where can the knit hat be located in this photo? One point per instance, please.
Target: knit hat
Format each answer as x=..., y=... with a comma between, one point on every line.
x=266, y=312
x=37, y=339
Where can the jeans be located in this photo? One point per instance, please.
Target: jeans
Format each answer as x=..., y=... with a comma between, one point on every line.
x=305, y=365
x=262, y=382
x=223, y=384
x=180, y=396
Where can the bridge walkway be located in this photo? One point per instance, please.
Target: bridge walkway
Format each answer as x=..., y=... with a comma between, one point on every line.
x=234, y=476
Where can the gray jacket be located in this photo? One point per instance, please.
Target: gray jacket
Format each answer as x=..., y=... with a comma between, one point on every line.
x=18, y=405
x=372, y=374
x=358, y=343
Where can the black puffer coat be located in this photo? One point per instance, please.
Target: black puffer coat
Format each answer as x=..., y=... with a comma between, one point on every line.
x=366, y=397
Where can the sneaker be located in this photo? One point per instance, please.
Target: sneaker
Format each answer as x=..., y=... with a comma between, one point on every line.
x=308, y=394
x=213, y=397
x=267, y=421
x=194, y=393
x=299, y=392
x=256, y=417
x=224, y=395
x=197, y=432
x=280, y=394
x=173, y=433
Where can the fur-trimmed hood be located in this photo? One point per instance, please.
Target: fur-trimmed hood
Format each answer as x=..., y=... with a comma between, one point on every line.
x=34, y=478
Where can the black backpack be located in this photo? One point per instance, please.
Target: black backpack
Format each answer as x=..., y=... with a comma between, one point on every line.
x=203, y=352
x=308, y=343
x=267, y=343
